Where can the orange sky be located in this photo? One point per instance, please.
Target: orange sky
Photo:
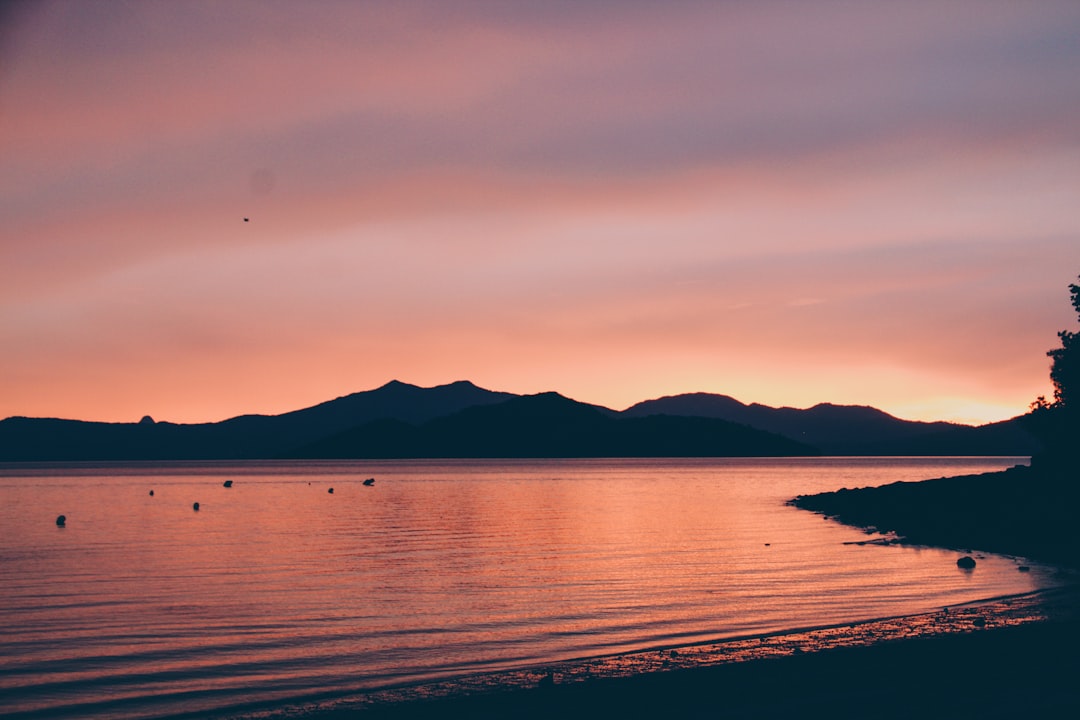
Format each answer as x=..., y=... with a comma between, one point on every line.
x=789, y=203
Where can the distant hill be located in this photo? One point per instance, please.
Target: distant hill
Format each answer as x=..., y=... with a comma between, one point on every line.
x=550, y=425
x=399, y=420
x=274, y=435
x=850, y=429
x=243, y=437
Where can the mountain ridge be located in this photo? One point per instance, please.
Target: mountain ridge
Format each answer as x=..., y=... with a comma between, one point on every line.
x=836, y=429
x=447, y=420
x=551, y=425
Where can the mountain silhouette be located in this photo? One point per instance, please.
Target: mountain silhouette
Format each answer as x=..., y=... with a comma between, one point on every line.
x=850, y=429
x=273, y=435
x=399, y=420
x=243, y=437
x=550, y=425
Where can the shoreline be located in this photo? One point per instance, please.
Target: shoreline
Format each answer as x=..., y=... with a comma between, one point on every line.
x=997, y=657
x=1023, y=511
x=599, y=684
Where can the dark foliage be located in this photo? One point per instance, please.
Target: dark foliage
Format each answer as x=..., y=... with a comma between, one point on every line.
x=1057, y=423
x=1065, y=369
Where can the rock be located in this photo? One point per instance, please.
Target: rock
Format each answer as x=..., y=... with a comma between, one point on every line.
x=369, y=482
x=979, y=622
x=1024, y=568
x=966, y=563
x=331, y=491
x=61, y=520
x=228, y=483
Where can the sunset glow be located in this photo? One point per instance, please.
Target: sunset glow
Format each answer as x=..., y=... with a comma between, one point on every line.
x=788, y=203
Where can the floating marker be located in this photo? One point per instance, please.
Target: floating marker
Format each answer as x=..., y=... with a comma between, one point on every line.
x=195, y=507
x=61, y=521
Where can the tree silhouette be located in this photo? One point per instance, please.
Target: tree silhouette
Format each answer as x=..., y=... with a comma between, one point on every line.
x=1057, y=423
x=1065, y=369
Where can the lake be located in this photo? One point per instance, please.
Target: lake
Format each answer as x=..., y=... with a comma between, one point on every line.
x=278, y=591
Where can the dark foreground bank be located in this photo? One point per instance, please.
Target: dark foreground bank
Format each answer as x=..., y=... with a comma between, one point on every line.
x=1028, y=671
x=1023, y=511
x=1012, y=658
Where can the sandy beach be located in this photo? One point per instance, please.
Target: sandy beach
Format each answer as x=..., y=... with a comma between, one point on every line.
x=1008, y=657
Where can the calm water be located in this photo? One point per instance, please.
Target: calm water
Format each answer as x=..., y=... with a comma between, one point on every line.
x=277, y=590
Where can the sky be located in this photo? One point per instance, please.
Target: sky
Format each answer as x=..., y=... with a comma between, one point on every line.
x=209, y=209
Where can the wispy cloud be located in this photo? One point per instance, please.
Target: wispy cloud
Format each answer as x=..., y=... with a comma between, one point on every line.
x=796, y=195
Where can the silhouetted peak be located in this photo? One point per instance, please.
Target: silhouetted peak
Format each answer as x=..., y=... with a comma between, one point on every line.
x=146, y=420
x=693, y=404
x=397, y=385
x=547, y=407
x=828, y=405
x=832, y=410
x=463, y=384
x=558, y=399
x=544, y=399
x=551, y=401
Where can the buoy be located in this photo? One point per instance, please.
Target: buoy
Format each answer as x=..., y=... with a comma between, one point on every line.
x=151, y=493
x=369, y=482
x=61, y=521
x=228, y=483
x=331, y=491
x=195, y=507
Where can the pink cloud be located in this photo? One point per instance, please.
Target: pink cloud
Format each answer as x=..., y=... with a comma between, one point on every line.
x=783, y=202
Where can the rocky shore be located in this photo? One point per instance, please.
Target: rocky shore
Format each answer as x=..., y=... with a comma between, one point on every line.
x=1023, y=511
